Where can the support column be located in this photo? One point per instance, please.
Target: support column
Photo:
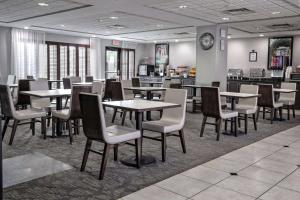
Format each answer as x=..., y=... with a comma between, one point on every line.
x=212, y=63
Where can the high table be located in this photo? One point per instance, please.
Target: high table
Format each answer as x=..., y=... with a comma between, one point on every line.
x=58, y=94
x=148, y=91
x=139, y=107
x=233, y=96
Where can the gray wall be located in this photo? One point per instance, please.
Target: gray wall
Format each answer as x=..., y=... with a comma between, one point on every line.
x=238, y=53
x=5, y=52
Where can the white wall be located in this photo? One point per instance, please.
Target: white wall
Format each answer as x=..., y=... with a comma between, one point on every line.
x=67, y=39
x=238, y=53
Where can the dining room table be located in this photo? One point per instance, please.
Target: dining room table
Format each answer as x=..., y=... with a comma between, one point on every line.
x=59, y=94
x=234, y=96
x=139, y=106
x=151, y=83
x=148, y=91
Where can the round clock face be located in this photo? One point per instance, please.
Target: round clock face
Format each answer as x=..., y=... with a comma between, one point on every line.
x=206, y=41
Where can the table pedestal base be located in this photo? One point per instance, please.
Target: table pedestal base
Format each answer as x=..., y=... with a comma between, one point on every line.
x=145, y=160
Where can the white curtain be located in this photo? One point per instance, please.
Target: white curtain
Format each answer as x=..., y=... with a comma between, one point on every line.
x=28, y=53
x=95, y=57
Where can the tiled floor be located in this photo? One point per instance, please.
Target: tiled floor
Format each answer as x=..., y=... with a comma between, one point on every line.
x=265, y=170
x=27, y=167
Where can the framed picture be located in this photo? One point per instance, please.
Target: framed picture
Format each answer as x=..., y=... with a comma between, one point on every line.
x=280, y=52
x=161, y=57
x=252, y=56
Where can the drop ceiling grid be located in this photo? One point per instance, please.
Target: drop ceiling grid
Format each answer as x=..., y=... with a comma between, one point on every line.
x=212, y=10
x=11, y=10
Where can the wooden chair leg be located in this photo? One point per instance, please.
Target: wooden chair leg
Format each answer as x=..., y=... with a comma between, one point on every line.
x=203, y=125
x=123, y=117
x=44, y=129
x=138, y=152
x=130, y=115
x=104, y=160
x=53, y=126
x=294, y=114
x=114, y=116
x=219, y=122
x=257, y=113
x=264, y=112
x=116, y=147
x=272, y=115
x=13, y=132
x=49, y=119
x=288, y=112
x=235, y=127
x=86, y=154
x=254, y=121
x=182, y=140
x=280, y=113
x=5, y=126
x=163, y=147
x=70, y=131
x=225, y=125
x=33, y=126
x=246, y=123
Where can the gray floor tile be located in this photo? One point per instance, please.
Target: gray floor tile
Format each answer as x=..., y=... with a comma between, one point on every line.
x=291, y=182
x=276, y=166
x=226, y=165
x=285, y=158
x=280, y=193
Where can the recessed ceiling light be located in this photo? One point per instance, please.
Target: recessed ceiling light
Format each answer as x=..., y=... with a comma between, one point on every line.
x=26, y=27
x=225, y=18
x=159, y=25
x=228, y=37
x=114, y=17
x=93, y=36
x=276, y=13
x=261, y=35
x=62, y=25
x=155, y=41
x=176, y=40
x=43, y=4
x=183, y=6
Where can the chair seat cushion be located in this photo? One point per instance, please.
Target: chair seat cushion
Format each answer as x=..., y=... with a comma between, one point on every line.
x=244, y=109
x=61, y=114
x=226, y=114
x=29, y=114
x=118, y=134
x=162, y=126
x=278, y=105
x=287, y=102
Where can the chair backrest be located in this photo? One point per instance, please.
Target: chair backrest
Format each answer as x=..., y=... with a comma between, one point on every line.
x=75, y=79
x=128, y=94
x=117, y=92
x=211, y=101
x=288, y=96
x=177, y=96
x=66, y=83
x=93, y=120
x=108, y=89
x=89, y=79
x=215, y=84
x=23, y=100
x=175, y=85
x=97, y=88
x=166, y=83
x=30, y=77
x=75, y=112
x=136, y=82
x=41, y=84
x=250, y=89
x=267, y=96
x=7, y=105
x=11, y=79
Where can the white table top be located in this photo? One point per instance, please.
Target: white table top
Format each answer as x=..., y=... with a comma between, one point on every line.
x=195, y=86
x=279, y=90
x=140, y=105
x=15, y=85
x=238, y=95
x=48, y=93
x=146, y=88
x=83, y=83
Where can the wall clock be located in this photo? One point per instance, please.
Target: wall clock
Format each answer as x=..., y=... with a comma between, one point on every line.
x=206, y=41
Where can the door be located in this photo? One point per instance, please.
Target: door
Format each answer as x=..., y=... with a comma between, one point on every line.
x=128, y=64
x=112, y=62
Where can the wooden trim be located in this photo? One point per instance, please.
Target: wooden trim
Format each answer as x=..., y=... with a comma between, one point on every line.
x=68, y=60
x=48, y=62
x=86, y=62
x=58, y=62
x=77, y=60
x=66, y=43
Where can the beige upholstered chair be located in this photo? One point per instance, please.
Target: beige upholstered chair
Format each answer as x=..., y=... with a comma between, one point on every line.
x=288, y=99
x=95, y=129
x=98, y=88
x=128, y=94
x=9, y=112
x=75, y=79
x=11, y=79
x=172, y=119
x=212, y=107
x=72, y=114
x=248, y=106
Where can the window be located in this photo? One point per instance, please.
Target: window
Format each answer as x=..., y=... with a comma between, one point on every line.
x=66, y=59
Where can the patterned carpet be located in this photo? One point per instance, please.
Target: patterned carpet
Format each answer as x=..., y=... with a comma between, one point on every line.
x=121, y=180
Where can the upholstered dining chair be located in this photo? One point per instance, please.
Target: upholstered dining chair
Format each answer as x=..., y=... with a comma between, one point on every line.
x=247, y=106
x=117, y=95
x=10, y=113
x=136, y=83
x=172, y=120
x=267, y=101
x=11, y=79
x=288, y=99
x=98, y=88
x=94, y=128
x=71, y=114
x=212, y=107
x=75, y=79
x=128, y=94
x=23, y=100
x=89, y=79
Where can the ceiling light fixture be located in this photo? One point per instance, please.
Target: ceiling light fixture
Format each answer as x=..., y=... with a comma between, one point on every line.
x=183, y=6
x=225, y=18
x=261, y=35
x=43, y=4
x=159, y=25
x=62, y=25
x=155, y=42
x=26, y=27
x=276, y=13
x=176, y=40
x=228, y=37
x=114, y=17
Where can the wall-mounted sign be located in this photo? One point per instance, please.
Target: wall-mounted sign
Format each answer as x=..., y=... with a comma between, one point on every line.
x=252, y=56
x=116, y=43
